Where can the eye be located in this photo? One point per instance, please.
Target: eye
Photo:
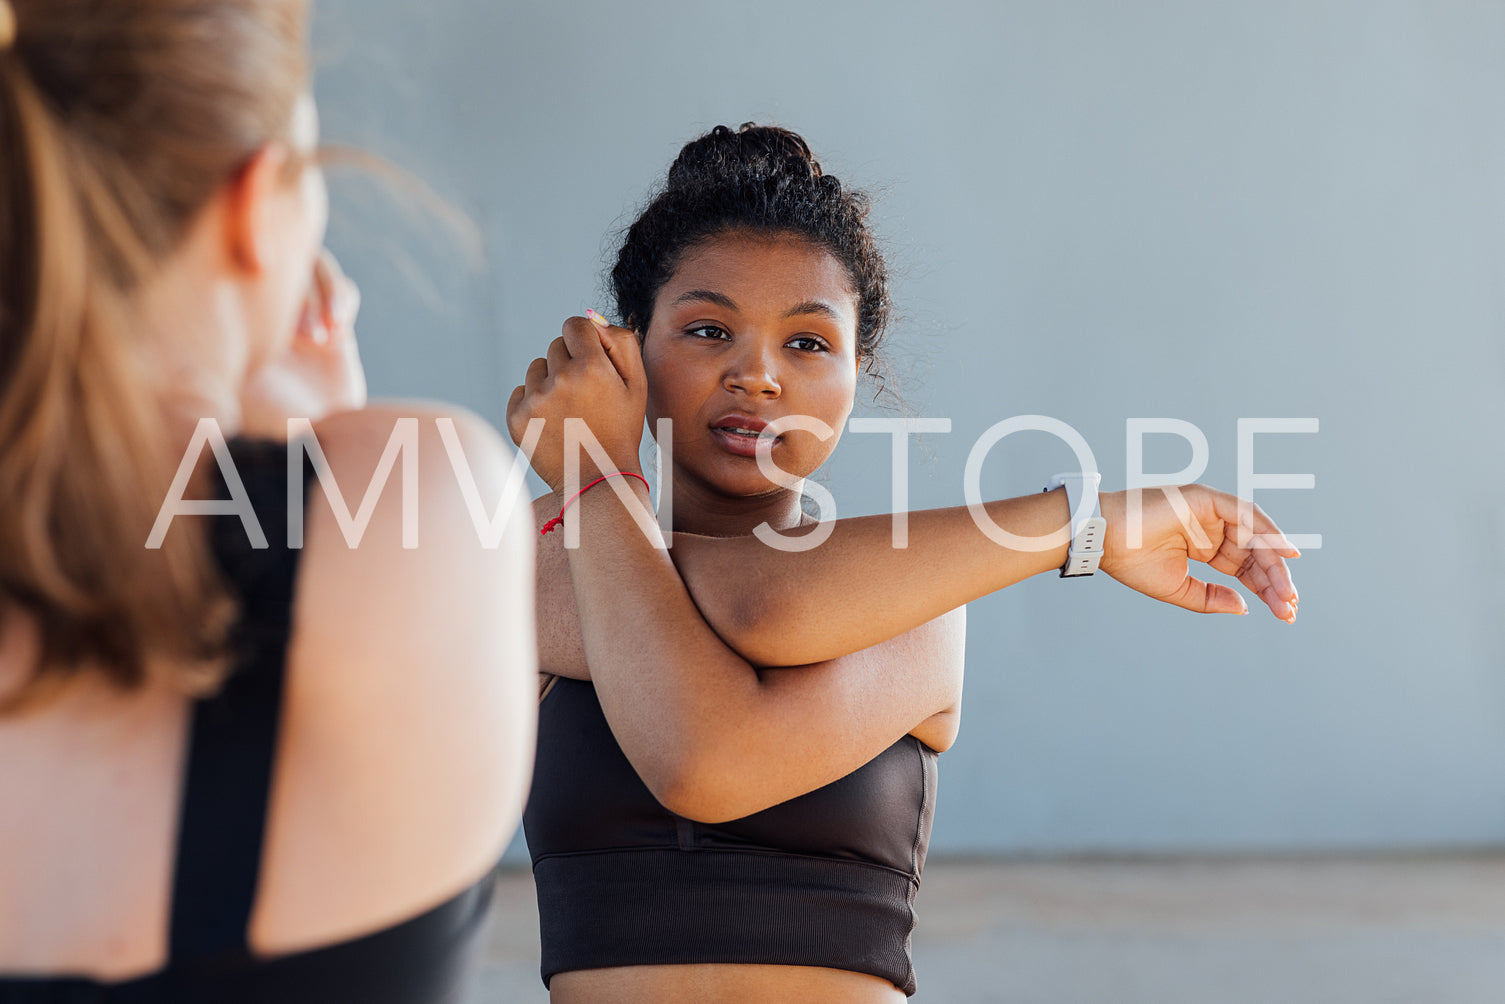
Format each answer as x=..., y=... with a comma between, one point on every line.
x=709, y=331
x=809, y=343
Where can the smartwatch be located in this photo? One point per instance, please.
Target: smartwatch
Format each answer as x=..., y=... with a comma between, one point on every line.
x=1088, y=528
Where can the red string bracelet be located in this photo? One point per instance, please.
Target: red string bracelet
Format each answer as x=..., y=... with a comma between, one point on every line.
x=551, y=524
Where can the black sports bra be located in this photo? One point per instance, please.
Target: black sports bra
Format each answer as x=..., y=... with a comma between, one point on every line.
x=232, y=745
x=825, y=879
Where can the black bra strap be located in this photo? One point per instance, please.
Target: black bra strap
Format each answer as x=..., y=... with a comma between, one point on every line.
x=233, y=734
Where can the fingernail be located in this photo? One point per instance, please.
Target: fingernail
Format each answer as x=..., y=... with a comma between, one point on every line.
x=597, y=319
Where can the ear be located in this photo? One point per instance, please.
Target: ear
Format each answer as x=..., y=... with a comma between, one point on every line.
x=250, y=208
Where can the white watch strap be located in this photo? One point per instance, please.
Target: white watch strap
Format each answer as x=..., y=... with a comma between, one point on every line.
x=1088, y=527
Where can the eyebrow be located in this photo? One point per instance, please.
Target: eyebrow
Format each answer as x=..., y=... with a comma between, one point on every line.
x=705, y=296
x=817, y=307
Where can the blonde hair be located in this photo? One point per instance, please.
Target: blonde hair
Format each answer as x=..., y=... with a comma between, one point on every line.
x=118, y=122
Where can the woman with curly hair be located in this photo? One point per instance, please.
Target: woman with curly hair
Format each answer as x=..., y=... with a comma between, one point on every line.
x=736, y=770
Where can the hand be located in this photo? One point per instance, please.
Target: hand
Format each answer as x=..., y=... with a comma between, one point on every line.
x=1254, y=554
x=320, y=372
x=593, y=372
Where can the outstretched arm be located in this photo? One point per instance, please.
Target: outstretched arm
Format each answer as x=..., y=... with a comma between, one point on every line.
x=692, y=715
x=756, y=598
x=949, y=561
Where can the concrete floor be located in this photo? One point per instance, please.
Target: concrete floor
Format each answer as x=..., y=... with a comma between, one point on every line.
x=1322, y=930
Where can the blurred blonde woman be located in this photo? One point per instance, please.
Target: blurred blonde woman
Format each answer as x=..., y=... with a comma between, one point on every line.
x=228, y=771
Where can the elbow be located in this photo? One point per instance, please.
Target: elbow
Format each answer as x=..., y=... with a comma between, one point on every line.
x=698, y=791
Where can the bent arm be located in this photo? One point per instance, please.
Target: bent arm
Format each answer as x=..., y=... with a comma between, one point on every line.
x=692, y=715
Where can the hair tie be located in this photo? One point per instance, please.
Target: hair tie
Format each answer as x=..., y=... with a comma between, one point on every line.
x=7, y=25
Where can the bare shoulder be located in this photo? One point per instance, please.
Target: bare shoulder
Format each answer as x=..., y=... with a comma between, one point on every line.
x=409, y=715
x=409, y=537
x=444, y=445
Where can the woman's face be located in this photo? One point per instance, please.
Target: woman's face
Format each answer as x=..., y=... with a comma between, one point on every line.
x=749, y=329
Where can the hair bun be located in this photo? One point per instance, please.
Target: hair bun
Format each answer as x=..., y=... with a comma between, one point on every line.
x=754, y=179
x=752, y=152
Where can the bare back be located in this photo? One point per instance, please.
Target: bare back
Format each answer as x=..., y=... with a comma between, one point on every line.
x=406, y=733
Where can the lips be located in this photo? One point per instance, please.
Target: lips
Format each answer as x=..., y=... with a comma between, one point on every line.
x=738, y=434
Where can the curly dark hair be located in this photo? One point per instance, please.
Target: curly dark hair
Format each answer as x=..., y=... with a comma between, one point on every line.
x=761, y=179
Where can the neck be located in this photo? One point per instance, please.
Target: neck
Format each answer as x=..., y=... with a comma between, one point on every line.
x=699, y=509
x=195, y=347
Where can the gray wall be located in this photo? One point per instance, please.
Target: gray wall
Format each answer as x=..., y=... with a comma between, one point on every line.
x=1099, y=210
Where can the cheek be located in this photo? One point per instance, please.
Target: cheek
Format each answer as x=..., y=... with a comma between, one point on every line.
x=657, y=406
x=833, y=398
x=830, y=399
x=671, y=387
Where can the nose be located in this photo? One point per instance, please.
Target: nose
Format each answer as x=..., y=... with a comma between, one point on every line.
x=753, y=371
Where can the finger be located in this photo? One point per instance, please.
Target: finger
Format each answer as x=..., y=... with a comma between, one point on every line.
x=1254, y=550
x=1283, y=609
x=514, y=419
x=1259, y=567
x=581, y=339
x=621, y=345
x=1207, y=598
x=558, y=356
x=1251, y=525
x=1263, y=572
x=1254, y=576
x=1278, y=574
x=1221, y=599
x=1272, y=583
x=537, y=374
